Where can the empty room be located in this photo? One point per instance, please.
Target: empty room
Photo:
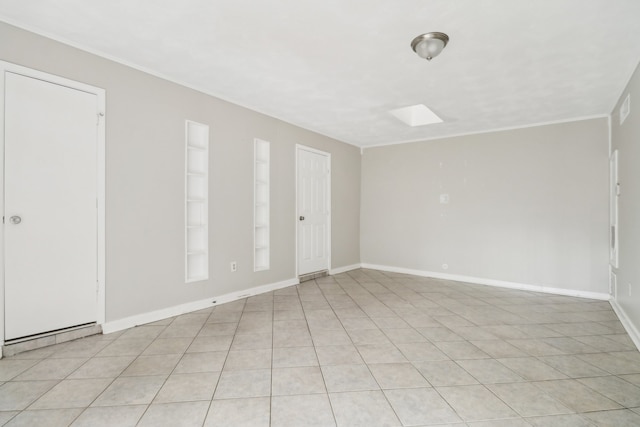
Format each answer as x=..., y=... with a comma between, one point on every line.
x=290, y=214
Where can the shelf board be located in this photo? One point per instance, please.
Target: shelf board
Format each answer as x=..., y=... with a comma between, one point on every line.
x=196, y=253
x=195, y=147
x=196, y=278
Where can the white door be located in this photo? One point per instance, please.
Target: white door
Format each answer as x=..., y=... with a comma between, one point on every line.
x=50, y=212
x=313, y=201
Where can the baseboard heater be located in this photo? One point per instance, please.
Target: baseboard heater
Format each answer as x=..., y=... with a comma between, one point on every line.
x=48, y=333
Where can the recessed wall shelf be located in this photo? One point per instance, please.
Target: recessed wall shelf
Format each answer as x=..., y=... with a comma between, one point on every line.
x=196, y=202
x=261, y=199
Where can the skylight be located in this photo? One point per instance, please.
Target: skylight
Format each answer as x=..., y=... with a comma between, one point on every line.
x=416, y=115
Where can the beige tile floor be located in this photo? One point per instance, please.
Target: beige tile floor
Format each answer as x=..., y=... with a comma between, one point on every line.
x=364, y=348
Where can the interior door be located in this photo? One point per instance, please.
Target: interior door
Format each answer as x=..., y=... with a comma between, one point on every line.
x=50, y=217
x=313, y=211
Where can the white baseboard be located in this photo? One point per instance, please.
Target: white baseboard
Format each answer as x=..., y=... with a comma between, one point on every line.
x=633, y=332
x=176, y=310
x=344, y=269
x=492, y=282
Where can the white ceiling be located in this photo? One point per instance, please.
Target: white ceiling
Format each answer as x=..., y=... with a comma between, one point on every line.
x=338, y=66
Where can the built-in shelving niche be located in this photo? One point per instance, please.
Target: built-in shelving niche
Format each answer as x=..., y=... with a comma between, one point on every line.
x=261, y=222
x=196, y=202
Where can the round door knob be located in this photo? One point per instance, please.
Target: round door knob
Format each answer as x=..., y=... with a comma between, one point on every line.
x=15, y=220
x=301, y=218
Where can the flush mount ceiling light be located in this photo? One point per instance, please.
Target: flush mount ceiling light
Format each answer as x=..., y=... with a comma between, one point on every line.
x=429, y=45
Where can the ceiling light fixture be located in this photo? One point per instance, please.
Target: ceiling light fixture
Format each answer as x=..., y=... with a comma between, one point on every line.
x=429, y=45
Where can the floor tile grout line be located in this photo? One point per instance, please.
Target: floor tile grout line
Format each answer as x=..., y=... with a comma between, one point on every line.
x=576, y=326
x=444, y=399
x=333, y=413
x=215, y=389
x=428, y=382
x=273, y=327
x=50, y=357
x=380, y=389
x=90, y=358
x=176, y=365
x=148, y=405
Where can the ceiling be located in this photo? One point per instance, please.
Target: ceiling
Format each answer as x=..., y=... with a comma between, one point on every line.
x=337, y=67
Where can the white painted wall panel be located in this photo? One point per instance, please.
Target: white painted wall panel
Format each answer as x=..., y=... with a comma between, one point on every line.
x=526, y=206
x=145, y=164
x=626, y=140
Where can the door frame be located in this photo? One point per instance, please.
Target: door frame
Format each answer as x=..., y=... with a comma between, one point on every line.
x=100, y=178
x=300, y=147
x=614, y=200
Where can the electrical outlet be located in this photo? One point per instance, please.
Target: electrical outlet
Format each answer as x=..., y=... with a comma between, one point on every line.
x=234, y=266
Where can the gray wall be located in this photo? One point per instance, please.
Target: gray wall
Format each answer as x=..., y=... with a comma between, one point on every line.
x=145, y=181
x=526, y=206
x=626, y=139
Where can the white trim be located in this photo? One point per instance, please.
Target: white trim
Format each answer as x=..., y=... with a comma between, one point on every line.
x=480, y=132
x=100, y=179
x=613, y=284
x=200, y=89
x=328, y=155
x=610, y=128
x=267, y=163
x=614, y=207
x=154, y=73
x=491, y=282
x=344, y=269
x=101, y=190
x=204, y=223
x=623, y=89
x=633, y=332
x=176, y=310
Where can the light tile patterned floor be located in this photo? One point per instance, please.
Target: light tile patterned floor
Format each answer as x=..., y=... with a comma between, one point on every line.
x=364, y=348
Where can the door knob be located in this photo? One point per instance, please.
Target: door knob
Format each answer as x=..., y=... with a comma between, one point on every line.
x=15, y=220
x=301, y=218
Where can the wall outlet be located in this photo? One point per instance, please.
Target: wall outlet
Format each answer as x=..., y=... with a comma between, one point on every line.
x=445, y=266
x=234, y=266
